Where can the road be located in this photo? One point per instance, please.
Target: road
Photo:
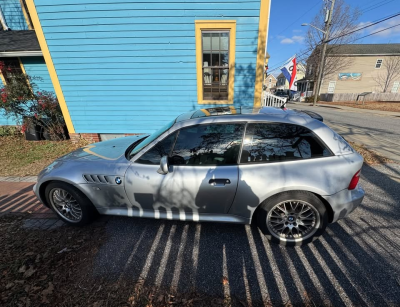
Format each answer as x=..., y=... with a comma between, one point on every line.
x=380, y=133
x=357, y=261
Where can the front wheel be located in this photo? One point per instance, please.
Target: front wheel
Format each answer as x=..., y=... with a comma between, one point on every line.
x=292, y=218
x=70, y=204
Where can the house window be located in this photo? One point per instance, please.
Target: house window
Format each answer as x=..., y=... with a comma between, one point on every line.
x=310, y=69
x=10, y=68
x=215, y=58
x=396, y=86
x=215, y=50
x=331, y=87
x=378, y=63
x=270, y=80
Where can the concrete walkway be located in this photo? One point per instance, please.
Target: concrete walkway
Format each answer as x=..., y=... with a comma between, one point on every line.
x=18, y=179
x=18, y=197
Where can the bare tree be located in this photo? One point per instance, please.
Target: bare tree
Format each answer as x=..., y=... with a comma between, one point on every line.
x=389, y=72
x=344, y=20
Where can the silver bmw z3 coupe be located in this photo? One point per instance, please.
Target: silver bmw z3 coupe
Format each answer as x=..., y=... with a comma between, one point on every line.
x=282, y=170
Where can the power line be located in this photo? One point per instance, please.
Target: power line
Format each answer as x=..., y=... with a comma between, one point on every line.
x=359, y=29
x=305, y=52
x=376, y=5
x=377, y=32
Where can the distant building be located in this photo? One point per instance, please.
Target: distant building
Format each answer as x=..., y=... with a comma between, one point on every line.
x=270, y=83
x=358, y=67
x=130, y=67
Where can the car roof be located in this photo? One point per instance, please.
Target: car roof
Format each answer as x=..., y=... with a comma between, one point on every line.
x=243, y=113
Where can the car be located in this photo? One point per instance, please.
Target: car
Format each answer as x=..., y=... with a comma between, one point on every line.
x=282, y=170
x=283, y=94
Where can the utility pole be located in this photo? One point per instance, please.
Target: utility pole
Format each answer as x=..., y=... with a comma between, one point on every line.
x=328, y=20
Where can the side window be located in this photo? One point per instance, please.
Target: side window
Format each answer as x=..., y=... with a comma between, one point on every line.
x=265, y=143
x=162, y=148
x=215, y=144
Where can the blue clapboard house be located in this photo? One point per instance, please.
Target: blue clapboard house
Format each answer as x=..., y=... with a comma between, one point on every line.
x=124, y=67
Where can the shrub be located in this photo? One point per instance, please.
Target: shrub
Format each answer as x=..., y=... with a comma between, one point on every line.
x=311, y=98
x=21, y=100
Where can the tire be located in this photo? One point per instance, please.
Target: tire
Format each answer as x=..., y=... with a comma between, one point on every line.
x=80, y=211
x=283, y=221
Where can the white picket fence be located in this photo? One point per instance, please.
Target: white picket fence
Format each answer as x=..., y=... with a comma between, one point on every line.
x=270, y=100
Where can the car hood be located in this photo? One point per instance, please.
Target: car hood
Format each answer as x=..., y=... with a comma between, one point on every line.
x=103, y=151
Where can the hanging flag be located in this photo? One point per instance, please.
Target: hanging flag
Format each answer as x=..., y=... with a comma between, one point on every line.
x=290, y=73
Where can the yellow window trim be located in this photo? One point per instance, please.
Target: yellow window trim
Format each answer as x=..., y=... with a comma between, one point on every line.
x=262, y=41
x=25, y=15
x=215, y=25
x=21, y=65
x=50, y=64
x=2, y=78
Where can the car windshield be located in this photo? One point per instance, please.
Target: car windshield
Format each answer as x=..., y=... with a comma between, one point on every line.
x=150, y=139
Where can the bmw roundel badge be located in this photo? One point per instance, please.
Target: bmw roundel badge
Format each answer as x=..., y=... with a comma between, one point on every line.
x=118, y=180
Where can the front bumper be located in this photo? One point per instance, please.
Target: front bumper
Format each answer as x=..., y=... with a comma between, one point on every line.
x=36, y=191
x=345, y=202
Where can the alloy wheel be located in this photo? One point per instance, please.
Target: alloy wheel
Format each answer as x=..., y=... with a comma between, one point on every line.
x=65, y=205
x=293, y=220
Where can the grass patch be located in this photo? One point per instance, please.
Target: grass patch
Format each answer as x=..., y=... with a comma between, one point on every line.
x=19, y=157
x=370, y=157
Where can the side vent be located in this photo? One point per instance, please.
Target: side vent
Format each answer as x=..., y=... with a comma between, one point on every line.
x=98, y=179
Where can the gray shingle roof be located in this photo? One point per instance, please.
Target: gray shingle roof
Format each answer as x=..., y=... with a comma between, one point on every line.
x=24, y=40
x=378, y=49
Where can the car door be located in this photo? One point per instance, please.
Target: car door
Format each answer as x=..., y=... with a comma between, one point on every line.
x=202, y=177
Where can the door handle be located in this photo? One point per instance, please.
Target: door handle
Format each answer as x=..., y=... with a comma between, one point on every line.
x=219, y=182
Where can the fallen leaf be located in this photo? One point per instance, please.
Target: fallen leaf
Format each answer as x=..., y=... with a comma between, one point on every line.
x=97, y=304
x=29, y=272
x=43, y=277
x=22, y=269
x=65, y=249
x=225, y=280
x=47, y=292
x=9, y=285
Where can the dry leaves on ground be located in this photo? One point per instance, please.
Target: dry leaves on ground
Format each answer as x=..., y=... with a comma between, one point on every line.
x=370, y=156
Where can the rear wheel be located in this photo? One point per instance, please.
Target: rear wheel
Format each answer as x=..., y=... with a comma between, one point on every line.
x=70, y=204
x=292, y=218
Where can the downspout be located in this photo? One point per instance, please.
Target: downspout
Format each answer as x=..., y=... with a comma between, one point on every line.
x=3, y=21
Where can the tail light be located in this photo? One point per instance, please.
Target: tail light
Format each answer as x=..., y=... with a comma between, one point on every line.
x=354, y=181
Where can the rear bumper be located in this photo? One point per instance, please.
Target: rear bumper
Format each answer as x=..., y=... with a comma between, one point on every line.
x=345, y=202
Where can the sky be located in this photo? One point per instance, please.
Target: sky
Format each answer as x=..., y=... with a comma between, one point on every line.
x=286, y=35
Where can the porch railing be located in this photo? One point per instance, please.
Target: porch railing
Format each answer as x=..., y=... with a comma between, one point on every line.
x=270, y=100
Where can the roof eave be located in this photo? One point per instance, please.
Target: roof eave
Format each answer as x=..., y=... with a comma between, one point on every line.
x=9, y=54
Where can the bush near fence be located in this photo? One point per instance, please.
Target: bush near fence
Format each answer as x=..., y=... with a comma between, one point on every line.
x=353, y=97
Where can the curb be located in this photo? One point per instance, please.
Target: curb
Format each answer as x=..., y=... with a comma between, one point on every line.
x=18, y=179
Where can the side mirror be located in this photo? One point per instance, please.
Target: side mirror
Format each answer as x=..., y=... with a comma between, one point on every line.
x=163, y=170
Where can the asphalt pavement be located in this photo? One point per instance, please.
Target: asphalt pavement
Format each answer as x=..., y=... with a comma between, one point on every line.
x=356, y=262
x=379, y=132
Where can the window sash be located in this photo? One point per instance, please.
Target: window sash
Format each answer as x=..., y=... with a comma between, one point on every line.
x=396, y=86
x=378, y=63
x=215, y=77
